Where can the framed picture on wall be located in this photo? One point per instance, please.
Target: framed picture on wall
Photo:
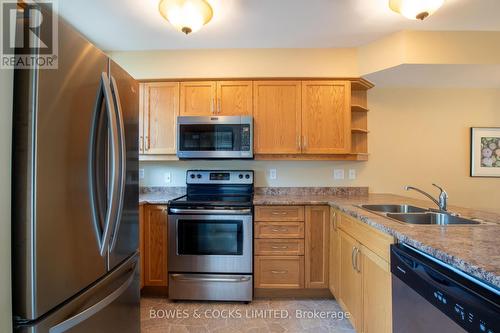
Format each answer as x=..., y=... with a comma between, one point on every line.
x=485, y=152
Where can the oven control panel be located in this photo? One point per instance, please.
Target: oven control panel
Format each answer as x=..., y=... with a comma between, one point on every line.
x=219, y=177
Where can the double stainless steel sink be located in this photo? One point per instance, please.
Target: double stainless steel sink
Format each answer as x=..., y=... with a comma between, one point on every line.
x=416, y=215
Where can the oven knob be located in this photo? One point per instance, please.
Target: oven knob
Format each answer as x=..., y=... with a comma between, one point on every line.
x=192, y=176
x=198, y=176
x=240, y=176
x=247, y=176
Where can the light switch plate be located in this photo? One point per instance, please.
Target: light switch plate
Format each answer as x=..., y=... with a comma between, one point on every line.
x=167, y=177
x=141, y=173
x=338, y=174
x=352, y=174
x=272, y=174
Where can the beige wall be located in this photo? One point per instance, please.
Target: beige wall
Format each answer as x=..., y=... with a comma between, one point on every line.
x=239, y=63
x=6, y=81
x=417, y=136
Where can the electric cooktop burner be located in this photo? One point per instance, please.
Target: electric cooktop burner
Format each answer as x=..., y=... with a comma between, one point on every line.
x=221, y=188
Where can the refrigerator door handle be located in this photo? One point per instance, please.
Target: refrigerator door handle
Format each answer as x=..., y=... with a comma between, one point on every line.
x=122, y=160
x=97, y=307
x=103, y=233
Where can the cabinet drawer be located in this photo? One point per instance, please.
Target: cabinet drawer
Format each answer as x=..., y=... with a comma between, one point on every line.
x=284, y=247
x=279, y=213
x=279, y=230
x=279, y=272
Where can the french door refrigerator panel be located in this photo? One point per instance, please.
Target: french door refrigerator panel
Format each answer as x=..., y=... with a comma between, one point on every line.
x=125, y=242
x=52, y=212
x=69, y=272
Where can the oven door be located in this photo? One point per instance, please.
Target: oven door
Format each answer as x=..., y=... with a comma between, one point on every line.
x=210, y=243
x=214, y=137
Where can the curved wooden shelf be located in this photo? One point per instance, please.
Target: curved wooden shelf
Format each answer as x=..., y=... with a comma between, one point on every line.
x=358, y=108
x=359, y=130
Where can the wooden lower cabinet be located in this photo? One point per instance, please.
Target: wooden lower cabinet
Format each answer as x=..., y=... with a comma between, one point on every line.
x=334, y=255
x=377, y=293
x=291, y=247
x=155, y=246
x=316, y=239
x=141, y=243
x=358, y=258
x=350, y=292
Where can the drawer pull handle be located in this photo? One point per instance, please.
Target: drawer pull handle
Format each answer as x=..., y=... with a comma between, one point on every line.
x=279, y=247
x=279, y=229
x=279, y=213
x=279, y=272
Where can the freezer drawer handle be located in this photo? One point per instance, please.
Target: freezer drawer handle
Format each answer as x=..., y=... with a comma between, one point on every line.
x=181, y=277
x=89, y=312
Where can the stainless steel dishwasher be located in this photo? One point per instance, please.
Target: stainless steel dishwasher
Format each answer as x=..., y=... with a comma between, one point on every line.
x=431, y=296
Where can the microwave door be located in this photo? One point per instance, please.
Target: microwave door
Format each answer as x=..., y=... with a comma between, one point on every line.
x=204, y=137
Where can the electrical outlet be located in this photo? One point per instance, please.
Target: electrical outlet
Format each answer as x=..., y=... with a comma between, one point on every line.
x=338, y=174
x=272, y=174
x=167, y=177
x=352, y=174
x=141, y=173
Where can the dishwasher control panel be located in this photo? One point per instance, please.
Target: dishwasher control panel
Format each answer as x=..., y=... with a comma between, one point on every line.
x=471, y=304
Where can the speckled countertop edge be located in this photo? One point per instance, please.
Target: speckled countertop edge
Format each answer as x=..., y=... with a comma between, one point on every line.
x=409, y=234
x=403, y=233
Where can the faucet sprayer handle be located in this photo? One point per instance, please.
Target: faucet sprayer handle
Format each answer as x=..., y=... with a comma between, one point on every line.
x=441, y=189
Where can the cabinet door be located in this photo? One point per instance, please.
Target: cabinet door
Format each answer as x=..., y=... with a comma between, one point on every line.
x=351, y=298
x=141, y=242
x=234, y=98
x=326, y=117
x=334, y=255
x=377, y=293
x=155, y=243
x=277, y=113
x=141, y=117
x=316, y=239
x=161, y=108
x=198, y=98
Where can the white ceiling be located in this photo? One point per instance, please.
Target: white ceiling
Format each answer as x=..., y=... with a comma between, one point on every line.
x=442, y=76
x=137, y=25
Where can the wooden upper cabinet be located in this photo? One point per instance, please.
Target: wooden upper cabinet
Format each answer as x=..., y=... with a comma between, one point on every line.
x=234, y=98
x=277, y=117
x=316, y=250
x=198, y=98
x=160, y=108
x=326, y=117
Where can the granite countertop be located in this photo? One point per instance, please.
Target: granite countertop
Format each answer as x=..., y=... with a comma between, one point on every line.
x=471, y=248
x=159, y=195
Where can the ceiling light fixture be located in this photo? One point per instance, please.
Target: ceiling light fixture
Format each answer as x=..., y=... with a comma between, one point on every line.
x=415, y=9
x=186, y=15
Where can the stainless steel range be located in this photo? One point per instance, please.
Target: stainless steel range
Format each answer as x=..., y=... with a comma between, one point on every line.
x=210, y=237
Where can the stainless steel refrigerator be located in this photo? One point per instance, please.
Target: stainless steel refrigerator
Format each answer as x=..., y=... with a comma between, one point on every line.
x=75, y=194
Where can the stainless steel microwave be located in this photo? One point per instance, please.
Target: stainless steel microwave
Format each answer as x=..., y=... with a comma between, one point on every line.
x=215, y=137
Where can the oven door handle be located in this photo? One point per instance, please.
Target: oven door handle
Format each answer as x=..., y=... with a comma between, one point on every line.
x=182, y=277
x=211, y=211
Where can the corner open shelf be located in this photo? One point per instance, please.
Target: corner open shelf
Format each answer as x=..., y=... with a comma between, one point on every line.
x=359, y=120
